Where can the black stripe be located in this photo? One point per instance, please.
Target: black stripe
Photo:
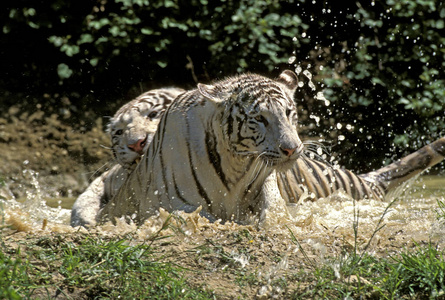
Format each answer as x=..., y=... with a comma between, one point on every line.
x=156, y=146
x=163, y=173
x=178, y=192
x=229, y=124
x=238, y=134
x=246, y=191
x=323, y=181
x=202, y=192
x=355, y=189
x=339, y=179
x=367, y=188
x=364, y=193
x=215, y=158
x=262, y=140
x=284, y=180
x=297, y=176
x=317, y=173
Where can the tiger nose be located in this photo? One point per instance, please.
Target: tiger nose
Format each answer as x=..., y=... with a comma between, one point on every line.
x=138, y=147
x=288, y=152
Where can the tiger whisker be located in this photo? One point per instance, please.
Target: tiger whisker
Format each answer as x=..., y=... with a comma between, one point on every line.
x=98, y=170
x=314, y=155
x=318, y=158
x=314, y=145
x=257, y=170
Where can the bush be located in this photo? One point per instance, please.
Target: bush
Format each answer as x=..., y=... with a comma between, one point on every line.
x=381, y=65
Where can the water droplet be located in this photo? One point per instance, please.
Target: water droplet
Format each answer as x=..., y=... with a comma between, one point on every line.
x=298, y=70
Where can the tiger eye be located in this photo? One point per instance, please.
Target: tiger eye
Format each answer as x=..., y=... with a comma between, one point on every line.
x=261, y=119
x=153, y=114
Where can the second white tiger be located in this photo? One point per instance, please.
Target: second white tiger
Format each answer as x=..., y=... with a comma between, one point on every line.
x=131, y=130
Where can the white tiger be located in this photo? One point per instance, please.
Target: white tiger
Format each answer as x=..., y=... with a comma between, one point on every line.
x=308, y=177
x=316, y=179
x=131, y=130
x=214, y=148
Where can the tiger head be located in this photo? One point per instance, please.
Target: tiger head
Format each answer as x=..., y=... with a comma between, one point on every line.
x=133, y=126
x=259, y=117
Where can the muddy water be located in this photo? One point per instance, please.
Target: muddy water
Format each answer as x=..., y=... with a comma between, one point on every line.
x=411, y=217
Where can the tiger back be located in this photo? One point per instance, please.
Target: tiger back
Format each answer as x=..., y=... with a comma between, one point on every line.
x=214, y=148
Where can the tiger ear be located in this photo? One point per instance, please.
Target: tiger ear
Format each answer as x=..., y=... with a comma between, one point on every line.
x=209, y=91
x=289, y=79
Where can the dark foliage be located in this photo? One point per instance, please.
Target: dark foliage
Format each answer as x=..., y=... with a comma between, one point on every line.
x=379, y=63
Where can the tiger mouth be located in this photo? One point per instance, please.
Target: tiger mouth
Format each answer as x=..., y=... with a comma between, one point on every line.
x=280, y=162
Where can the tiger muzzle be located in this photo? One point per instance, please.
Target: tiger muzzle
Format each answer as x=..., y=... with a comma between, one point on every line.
x=138, y=147
x=288, y=152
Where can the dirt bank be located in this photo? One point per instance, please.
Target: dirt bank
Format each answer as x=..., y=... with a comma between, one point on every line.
x=65, y=152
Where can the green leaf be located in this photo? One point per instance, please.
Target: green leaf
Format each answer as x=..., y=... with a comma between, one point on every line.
x=64, y=71
x=147, y=31
x=85, y=38
x=94, y=61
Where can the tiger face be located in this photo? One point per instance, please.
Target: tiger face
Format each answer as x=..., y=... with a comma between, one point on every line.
x=260, y=118
x=133, y=126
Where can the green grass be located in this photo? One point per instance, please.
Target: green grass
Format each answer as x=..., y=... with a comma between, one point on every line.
x=92, y=267
x=81, y=266
x=417, y=273
x=440, y=211
x=98, y=268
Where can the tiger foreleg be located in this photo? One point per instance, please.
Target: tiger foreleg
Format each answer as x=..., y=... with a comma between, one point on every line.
x=86, y=207
x=274, y=209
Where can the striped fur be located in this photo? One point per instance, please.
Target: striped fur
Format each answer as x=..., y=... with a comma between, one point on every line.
x=308, y=178
x=392, y=179
x=312, y=179
x=214, y=148
x=131, y=131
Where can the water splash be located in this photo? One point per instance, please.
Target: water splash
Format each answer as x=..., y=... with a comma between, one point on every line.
x=32, y=213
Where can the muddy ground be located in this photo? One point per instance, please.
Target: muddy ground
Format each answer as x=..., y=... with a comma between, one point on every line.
x=64, y=152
